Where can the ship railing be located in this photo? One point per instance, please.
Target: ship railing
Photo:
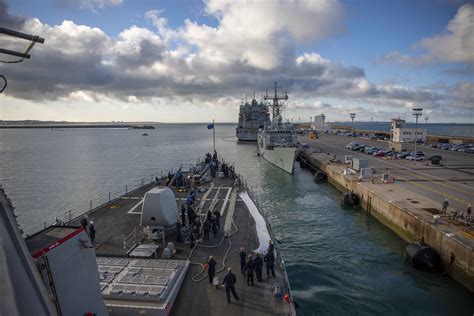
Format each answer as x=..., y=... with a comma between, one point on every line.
x=109, y=198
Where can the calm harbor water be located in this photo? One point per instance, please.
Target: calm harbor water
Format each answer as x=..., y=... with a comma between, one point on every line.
x=339, y=261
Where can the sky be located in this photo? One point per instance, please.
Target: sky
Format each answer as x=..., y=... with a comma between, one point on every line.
x=194, y=61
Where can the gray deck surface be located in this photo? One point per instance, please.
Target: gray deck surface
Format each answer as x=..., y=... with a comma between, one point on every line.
x=112, y=223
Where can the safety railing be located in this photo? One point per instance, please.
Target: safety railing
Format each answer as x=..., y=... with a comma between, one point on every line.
x=110, y=197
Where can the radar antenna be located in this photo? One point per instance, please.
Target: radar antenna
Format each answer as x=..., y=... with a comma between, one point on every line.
x=277, y=102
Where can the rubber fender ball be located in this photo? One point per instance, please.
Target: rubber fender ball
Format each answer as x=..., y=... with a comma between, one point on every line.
x=422, y=257
x=350, y=199
x=320, y=177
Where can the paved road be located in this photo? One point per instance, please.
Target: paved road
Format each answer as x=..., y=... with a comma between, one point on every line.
x=453, y=180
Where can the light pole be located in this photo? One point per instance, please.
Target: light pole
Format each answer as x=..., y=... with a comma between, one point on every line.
x=352, y=115
x=371, y=126
x=417, y=112
x=323, y=117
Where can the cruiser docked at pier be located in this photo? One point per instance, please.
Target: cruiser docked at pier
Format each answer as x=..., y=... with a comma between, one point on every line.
x=277, y=142
x=252, y=117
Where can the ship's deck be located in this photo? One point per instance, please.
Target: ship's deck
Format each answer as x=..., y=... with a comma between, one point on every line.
x=115, y=221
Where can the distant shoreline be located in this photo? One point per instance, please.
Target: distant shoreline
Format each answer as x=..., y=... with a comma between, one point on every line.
x=72, y=125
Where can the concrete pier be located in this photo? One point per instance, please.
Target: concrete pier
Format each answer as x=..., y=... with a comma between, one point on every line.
x=408, y=205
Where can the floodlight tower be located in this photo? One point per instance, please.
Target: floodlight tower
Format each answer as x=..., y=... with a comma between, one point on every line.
x=352, y=115
x=417, y=112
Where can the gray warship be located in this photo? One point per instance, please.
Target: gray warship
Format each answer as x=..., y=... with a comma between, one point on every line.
x=277, y=142
x=252, y=117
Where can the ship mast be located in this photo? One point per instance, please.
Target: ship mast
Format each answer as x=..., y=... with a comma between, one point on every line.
x=277, y=103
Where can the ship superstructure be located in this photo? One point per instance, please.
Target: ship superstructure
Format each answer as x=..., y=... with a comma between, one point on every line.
x=252, y=117
x=277, y=141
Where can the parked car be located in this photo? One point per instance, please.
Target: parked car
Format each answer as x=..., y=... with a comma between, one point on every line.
x=415, y=157
x=403, y=155
x=372, y=150
x=380, y=153
x=351, y=144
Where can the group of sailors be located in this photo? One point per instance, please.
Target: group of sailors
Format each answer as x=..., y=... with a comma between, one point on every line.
x=458, y=214
x=211, y=222
x=217, y=166
x=248, y=267
x=251, y=266
x=179, y=181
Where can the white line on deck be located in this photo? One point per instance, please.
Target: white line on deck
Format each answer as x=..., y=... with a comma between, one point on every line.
x=225, y=201
x=133, y=208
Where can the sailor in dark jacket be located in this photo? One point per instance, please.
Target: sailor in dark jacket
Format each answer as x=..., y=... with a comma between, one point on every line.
x=191, y=216
x=206, y=227
x=211, y=268
x=214, y=226
x=242, y=255
x=217, y=215
x=179, y=238
x=85, y=223
x=229, y=281
x=258, y=266
x=250, y=269
x=271, y=246
x=92, y=232
x=270, y=260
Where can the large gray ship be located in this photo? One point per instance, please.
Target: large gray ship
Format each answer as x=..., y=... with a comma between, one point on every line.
x=252, y=117
x=277, y=142
x=147, y=252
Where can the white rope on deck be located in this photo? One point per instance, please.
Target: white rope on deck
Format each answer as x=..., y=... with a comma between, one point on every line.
x=260, y=224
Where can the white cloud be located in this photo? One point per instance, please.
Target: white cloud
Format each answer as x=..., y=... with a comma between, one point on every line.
x=454, y=45
x=194, y=65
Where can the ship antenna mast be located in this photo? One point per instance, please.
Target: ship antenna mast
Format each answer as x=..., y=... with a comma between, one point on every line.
x=277, y=102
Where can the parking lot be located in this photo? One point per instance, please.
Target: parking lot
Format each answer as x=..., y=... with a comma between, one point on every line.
x=453, y=178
